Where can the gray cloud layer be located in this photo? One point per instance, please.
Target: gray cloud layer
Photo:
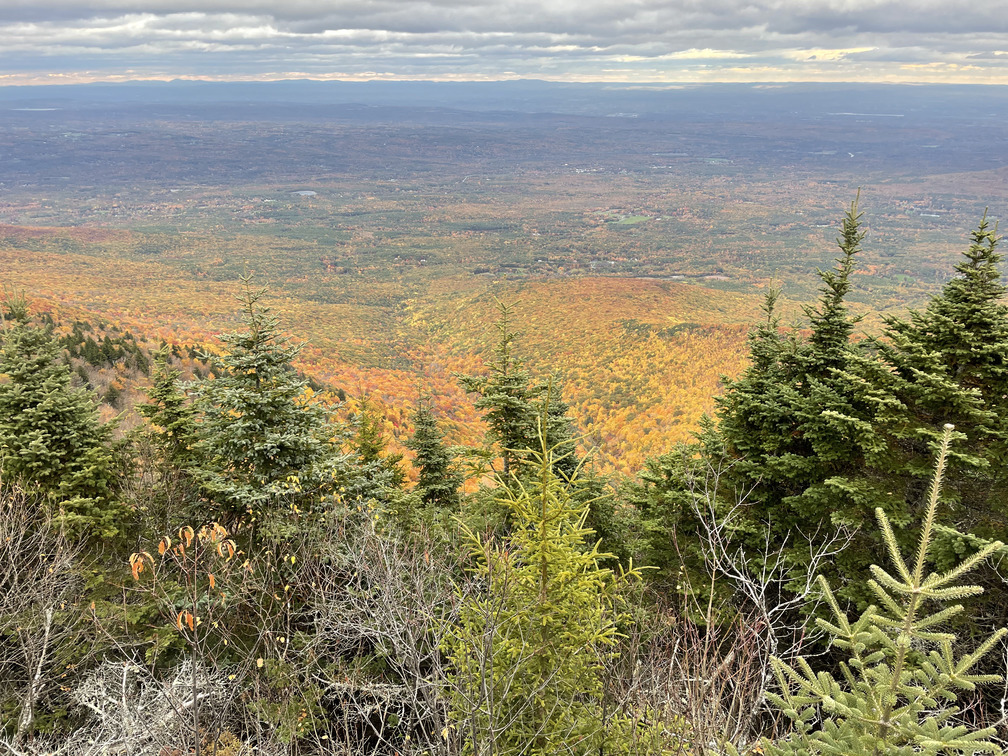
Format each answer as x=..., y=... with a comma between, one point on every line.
x=689, y=40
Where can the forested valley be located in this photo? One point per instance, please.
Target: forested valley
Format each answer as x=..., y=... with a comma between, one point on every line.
x=250, y=568
x=502, y=418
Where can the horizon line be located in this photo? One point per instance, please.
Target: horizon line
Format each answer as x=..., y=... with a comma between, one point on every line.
x=350, y=79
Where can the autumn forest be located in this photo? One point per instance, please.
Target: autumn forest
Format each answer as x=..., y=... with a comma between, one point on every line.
x=526, y=420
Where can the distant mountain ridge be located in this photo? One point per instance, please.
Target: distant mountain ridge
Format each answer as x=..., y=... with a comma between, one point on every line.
x=661, y=101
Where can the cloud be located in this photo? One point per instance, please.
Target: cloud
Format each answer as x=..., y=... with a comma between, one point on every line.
x=633, y=40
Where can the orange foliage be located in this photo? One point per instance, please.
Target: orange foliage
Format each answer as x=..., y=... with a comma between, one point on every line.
x=640, y=359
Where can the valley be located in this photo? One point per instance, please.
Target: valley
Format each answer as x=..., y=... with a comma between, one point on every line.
x=635, y=231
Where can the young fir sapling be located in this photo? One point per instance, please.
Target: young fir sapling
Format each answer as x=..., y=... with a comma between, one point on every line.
x=899, y=688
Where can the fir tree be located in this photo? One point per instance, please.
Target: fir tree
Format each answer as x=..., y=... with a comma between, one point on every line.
x=945, y=364
x=506, y=398
x=439, y=478
x=512, y=404
x=50, y=435
x=528, y=652
x=898, y=690
x=831, y=323
x=259, y=434
x=666, y=499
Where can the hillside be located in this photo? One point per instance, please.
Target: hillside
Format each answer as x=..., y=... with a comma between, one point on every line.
x=640, y=360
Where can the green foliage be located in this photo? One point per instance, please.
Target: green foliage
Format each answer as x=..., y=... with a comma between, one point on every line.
x=949, y=364
x=945, y=364
x=898, y=690
x=50, y=435
x=666, y=499
x=439, y=477
x=291, y=717
x=372, y=448
x=797, y=428
x=169, y=412
x=529, y=648
x=506, y=398
x=260, y=437
x=522, y=414
x=168, y=493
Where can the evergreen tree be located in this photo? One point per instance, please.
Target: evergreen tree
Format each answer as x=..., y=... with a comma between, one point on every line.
x=169, y=411
x=512, y=404
x=558, y=428
x=260, y=435
x=518, y=410
x=945, y=364
x=529, y=650
x=506, y=398
x=900, y=685
x=797, y=428
x=164, y=449
x=50, y=435
x=372, y=448
x=667, y=497
x=949, y=364
x=439, y=478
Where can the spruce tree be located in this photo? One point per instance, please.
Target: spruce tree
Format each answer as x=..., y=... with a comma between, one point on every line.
x=513, y=403
x=50, y=435
x=898, y=690
x=945, y=364
x=517, y=410
x=949, y=364
x=439, y=478
x=169, y=412
x=165, y=445
x=260, y=436
x=506, y=399
x=559, y=430
x=796, y=427
x=372, y=448
x=666, y=500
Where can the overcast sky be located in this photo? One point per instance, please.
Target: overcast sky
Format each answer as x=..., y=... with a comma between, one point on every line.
x=563, y=40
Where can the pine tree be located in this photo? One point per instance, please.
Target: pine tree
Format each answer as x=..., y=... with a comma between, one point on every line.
x=439, y=478
x=50, y=435
x=900, y=685
x=528, y=651
x=831, y=323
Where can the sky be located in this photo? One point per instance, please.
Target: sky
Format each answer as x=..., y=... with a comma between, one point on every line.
x=673, y=41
